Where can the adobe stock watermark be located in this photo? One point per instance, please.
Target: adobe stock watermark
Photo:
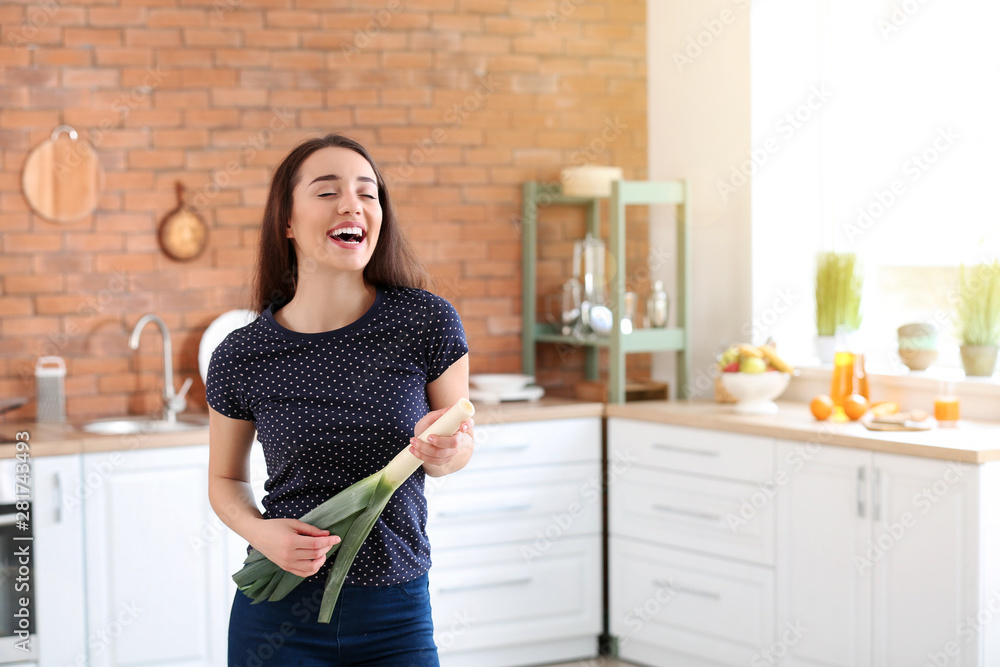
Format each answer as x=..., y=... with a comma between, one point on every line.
x=461, y=623
x=365, y=35
x=37, y=17
x=712, y=29
x=780, y=648
x=913, y=169
x=966, y=631
x=584, y=155
x=455, y=117
x=90, y=308
x=796, y=460
x=786, y=128
x=639, y=615
x=923, y=502
x=761, y=323
x=562, y=10
x=248, y=149
x=102, y=639
x=561, y=523
x=899, y=15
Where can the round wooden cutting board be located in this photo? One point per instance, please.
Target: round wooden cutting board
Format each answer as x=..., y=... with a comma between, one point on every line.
x=62, y=177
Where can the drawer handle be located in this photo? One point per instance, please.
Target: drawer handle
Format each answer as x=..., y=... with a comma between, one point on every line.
x=517, y=446
x=708, y=516
x=491, y=584
x=712, y=595
x=685, y=450
x=478, y=511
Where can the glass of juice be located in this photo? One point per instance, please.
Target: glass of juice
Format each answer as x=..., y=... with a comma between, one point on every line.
x=946, y=410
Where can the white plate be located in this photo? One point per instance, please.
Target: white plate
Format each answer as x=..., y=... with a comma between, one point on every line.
x=500, y=382
x=525, y=394
x=216, y=332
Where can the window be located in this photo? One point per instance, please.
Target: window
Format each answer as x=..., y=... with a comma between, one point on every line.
x=875, y=129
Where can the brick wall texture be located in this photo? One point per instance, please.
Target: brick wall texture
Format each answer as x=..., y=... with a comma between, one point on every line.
x=459, y=101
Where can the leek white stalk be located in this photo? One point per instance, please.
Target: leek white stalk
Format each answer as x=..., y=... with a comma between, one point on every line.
x=351, y=514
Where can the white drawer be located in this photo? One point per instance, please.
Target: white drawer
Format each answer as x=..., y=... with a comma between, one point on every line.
x=666, y=604
x=749, y=458
x=707, y=515
x=493, y=597
x=541, y=503
x=519, y=444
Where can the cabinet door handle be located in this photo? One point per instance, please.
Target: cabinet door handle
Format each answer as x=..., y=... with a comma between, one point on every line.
x=712, y=595
x=515, y=447
x=489, y=584
x=877, y=493
x=861, y=492
x=57, y=497
x=708, y=516
x=685, y=450
x=478, y=511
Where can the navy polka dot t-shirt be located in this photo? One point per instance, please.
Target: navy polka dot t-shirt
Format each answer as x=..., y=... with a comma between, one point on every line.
x=332, y=408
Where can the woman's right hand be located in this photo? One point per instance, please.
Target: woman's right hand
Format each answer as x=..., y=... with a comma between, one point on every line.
x=294, y=546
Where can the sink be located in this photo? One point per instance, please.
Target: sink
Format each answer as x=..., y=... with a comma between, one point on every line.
x=127, y=425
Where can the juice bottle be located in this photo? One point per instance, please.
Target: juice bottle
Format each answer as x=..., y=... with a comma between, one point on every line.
x=860, y=378
x=842, y=385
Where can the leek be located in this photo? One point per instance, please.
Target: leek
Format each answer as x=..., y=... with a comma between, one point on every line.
x=351, y=514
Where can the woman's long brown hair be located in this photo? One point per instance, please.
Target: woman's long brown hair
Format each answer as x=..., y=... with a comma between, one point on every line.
x=393, y=263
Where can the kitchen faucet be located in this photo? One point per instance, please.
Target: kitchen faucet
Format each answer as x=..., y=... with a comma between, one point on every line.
x=173, y=403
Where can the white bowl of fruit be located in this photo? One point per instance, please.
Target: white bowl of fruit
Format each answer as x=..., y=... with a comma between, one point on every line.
x=754, y=376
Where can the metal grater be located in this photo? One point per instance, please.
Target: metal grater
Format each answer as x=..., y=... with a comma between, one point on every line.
x=50, y=392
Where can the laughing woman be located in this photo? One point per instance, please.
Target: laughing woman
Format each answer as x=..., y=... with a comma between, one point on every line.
x=349, y=358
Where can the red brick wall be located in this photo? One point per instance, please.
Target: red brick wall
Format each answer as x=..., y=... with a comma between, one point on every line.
x=459, y=101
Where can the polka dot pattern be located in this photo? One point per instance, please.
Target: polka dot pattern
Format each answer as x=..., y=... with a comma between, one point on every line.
x=332, y=408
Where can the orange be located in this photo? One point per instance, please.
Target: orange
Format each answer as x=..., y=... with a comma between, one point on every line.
x=822, y=407
x=855, y=406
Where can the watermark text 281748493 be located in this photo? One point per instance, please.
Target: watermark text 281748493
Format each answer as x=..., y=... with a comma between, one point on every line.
x=22, y=552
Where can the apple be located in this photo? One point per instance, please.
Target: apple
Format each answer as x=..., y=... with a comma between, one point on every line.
x=753, y=365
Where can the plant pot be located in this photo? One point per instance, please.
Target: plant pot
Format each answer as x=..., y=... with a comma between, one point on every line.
x=825, y=346
x=979, y=360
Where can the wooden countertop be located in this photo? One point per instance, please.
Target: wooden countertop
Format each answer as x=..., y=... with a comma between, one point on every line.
x=969, y=442
x=63, y=439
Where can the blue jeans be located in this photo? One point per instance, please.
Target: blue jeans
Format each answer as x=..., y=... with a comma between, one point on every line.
x=374, y=626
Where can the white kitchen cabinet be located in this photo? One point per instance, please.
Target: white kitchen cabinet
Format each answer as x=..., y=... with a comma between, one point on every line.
x=57, y=524
x=876, y=558
x=691, y=573
x=154, y=585
x=516, y=546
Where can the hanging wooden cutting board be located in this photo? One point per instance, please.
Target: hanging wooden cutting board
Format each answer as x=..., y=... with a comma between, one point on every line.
x=62, y=177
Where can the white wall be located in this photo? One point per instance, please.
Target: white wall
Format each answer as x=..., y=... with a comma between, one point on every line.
x=699, y=128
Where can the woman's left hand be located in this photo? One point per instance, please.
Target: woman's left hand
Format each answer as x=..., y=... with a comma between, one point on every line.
x=440, y=450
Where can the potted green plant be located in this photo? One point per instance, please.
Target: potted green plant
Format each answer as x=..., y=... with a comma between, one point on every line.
x=978, y=317
x=838, y=298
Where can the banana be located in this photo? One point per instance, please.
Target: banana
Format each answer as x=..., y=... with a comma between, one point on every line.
x=772, y=357
x=747, y=350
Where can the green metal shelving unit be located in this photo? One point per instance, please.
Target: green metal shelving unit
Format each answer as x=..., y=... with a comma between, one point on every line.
x=623, y=193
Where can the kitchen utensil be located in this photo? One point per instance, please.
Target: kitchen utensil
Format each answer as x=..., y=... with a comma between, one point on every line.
x=658, y=306
x=500, y=383
x=62, y=177
x=493, y=397
x=50, y=375
x=570, y=313
x=216, y=332
x=183, y=234
x=629, y=316
x=8, y=404
x=589, y=180
x=755, y=392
